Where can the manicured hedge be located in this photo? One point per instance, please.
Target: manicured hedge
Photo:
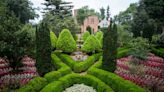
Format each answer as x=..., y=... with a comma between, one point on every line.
x=158, y=52
x=53, y=39
x=69, y=80
x=66, y=42
x=62, y=69
x=122, y=52
x=79, y=66
x=117, y=83
x=85, y=35
x=35, y=85
x=91, y=45
x=99, y=36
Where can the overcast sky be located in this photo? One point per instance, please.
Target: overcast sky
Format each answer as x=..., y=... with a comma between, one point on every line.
x=115, y=5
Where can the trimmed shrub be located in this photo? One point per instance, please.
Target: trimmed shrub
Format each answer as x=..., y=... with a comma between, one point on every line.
x=62, y=69
x=66, y=42
x=34, y=85
x=158, y=51
x=99, y=36
x=69, y=80
x=91, y=44
x=79, y=66
x=122, y=52
x=53, y=39
x=85, y=35
x=117, y=83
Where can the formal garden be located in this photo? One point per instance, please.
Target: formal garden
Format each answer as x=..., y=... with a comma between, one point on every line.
x=55, y=56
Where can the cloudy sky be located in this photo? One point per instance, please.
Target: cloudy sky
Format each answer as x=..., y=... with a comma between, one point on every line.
x=115, y=5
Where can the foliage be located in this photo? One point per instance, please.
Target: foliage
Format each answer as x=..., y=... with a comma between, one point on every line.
x=125, y=18
x=80, y=87
x=99, y=36
x=114, y=81
x=62, y=23
x=84, y=12
x=91, y=44
x=142, y=25
x=71, y=79
x=158, y=40
x=85, y=35
x=22, y=9
x=79, y=66
x=53, y=39
x=108, y=12
x=124, y=36
x=102, y=11
x=155, y=11
x=139, y=48
x=34, y=85
x=43, y=49
x=58, y=7
x=110, y=48
x=122, y=52
x=158, y=51
x=65, y=42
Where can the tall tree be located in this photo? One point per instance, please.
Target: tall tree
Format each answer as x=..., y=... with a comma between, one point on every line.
x=108, y=13
x=22, y=9
x=110, y=48
x=58, y=7
x=102, y=12
x=142, y=25
x=155, y=10
x=84, y=12
x=14, y=40
x=43, y=49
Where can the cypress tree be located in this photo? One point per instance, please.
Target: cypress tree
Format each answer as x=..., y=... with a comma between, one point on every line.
x=43, y=50
x=110, y=48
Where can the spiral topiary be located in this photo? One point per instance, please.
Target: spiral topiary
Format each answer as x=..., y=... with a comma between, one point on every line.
x=66, y=42
x=99, y=36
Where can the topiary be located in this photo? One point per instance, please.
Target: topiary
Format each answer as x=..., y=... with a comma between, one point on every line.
x=91, y=44
x=53, y=39
x=66, y=42
x=85, y=35
x=99, y=36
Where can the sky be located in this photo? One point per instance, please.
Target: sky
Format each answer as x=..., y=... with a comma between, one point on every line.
x=115, y=5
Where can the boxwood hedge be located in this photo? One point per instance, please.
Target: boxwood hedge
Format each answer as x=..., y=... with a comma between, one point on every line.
x=85, y=35
x=69, y=80
x=53, y=39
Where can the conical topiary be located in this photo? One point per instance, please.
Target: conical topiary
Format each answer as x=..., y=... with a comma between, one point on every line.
x=85, y=35
x=91, y=44
x=99, y=36
x=66, y=42
x=53, y=39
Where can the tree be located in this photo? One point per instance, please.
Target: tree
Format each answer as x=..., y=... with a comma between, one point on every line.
x=22, y=9
x=84, y=12
x=102, y=12
x=142, y=25
x=59, y=7
x=65, y=42
x=110, y=48
x=43, y=49
x=108, y=13
x=155, y=10
x=15, y=40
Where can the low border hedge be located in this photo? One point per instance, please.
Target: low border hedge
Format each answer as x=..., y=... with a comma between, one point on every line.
x=69, y=80
x=35, y=85
x=122, y=52
x=117, y=83
x=63, y=69
x=79, y=66
x=158, y=52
